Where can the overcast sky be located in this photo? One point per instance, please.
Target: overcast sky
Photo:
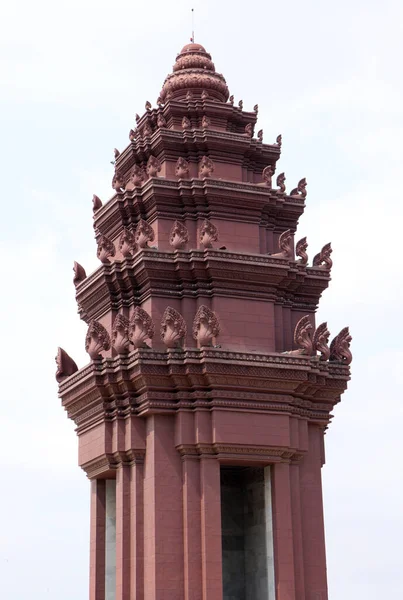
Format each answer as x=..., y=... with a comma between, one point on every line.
x=328, y=76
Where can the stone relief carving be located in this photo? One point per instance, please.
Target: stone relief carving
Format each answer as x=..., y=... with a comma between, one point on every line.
x=340, y=347
x=321, y=341
x=300, y=190
x=127, y=243
x=136, y=178
x=79, y=273
x=153, y=166
x=182, y=168
x=118, y=181
x=323, y=259
x=106, y=249
x=260, y=135
x=141, y=327
x=205, y=122
x=144, y=233
x=97, y=339
x=186, y=124
x=146, y=131
x=161, y=122
x=280, y=181
x=178, y=236
x=267, y=175
x=120, y=334
x=206, y=326
x=173, y=328
x=132, y=134
x=300, y=250
x=96, y=203
x=65, y=365
x=208, y=234
x=206, y=167
x=303, y=336
x=285, y=246
x=204, y=95
x=249, y=130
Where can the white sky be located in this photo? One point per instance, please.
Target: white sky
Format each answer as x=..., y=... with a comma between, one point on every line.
x=328, y=76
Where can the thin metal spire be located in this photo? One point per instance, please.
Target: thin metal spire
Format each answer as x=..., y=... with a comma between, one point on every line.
x=192, y=39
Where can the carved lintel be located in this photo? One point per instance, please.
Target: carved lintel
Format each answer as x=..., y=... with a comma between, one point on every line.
x=96, y=203
x=144, y=233
x=173, y=328
x=106, y=249
x=206, y=167
x=323, y=260
x=97, y=339
x=340, y=347
x=153, y=166
x=208, y=234
x=182, y=168
x=280, y=181
x=79, y=273
x=127, y=243
x=285, y=246
x=179, y=235
x=141, y=327
x=321, y=341
x=300, y=250
x=65, y=365
x=120, y=334
x=206, y=326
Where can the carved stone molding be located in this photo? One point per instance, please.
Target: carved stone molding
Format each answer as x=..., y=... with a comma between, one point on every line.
x=120, y=334
x=65, y=365
x=179, y=235
x=144, y=233
x=206, y=326
x=173, y=328
x=97, y=339
x=141, y=327
x=106, y=249
x=208, y=234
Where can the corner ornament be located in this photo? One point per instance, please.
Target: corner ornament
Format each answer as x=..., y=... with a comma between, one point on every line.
x=141, y=328
x=106, y=249
x=120, y=334
x=65, y=365
x=206, y=326
x=182, y=168
x=97, y=340
x=303, y=337
x=340, y=347
x=178, y=236
x=127, y=244
x=136, y=178
x=144, y=233
x=267, y=175
x=208, y=234
x=300, y=190
x=79, y=273
x=206, y=167
x=173, y=328
x=281, y=183
x=300, y=250
x=285, y=246
x=153, y=166
x=96, y=203
x=321, y=341
x=323, y=260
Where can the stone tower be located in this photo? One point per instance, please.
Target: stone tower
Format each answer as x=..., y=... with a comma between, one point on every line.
x=202, y=413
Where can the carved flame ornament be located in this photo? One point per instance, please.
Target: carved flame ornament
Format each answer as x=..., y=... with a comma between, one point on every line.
x=300, y=250
x=281, y=183
x=340, y=347
x=120, y=334
x=106, y=249
x=285, y=246
x=267, y=175
x=321, y=341
x=127, y=243
x=323, y=260
x=97, y=339
x=179, y=235
x=208, y=234
x=79, y=273
x=96, y=203
x=153, y=166
x=173, y=328
x=65, y=365
x=206, y=326
x=182, y=168
x=206, y=167
x=144, y=233
x=141, y=327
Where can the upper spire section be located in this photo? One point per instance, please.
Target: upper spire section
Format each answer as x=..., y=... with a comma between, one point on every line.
x=194, y=73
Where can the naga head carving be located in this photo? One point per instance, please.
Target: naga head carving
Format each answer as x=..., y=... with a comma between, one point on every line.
x=267, y=175
x=205, y=122
x=120, y=334
x=173, y=328
x=141, y=327
x=321, y=341
x=97, y=339
x=153, y=166
x=118, y=181
x=300, y=250
x=300, y=190
x=260, y=135
x=65, y=365
x=146, y=131
x=303, y=336
x=96, y=203
x=249, y=130
x=106, y=249
x=186, y=124
x=127, y=243
x=182, y=168
x=323, y=260
x=136, y=178
x=178, y=236
x=161, y=122
x=206, y=326
x=285, y=246
x=279, y=140
x=144, y=233
x=208, y=234
x=79, y=273
x=132, y=134
x=206, y=167
x=280, y=181
x=340, y=347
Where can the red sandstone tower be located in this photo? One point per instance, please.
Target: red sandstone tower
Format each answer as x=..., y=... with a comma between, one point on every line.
x=202, y=413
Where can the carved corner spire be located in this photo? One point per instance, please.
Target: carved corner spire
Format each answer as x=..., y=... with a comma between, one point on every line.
x=208, y=234
x=340, y=347
x=179, y=235
x=300, y=190
x=206, y=167
x=153, y=166
x=303, y=336
x=173, y=328
x=127, y=243
x=285, y=246
x=206, y=326
x=79, y=273
x=300, y=250
x=280, y=181
x=321, y=341
x=97, y=339
x=65, y=365
x=144, y=233
x=96, y=203
x=106, y=249
x=323, y=260
x=120, y=334
x=182, y=168
x=141, y=327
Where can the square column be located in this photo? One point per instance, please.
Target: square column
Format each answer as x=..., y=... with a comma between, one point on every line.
x=211, y=528
x=283, y=533
x=97, y=540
